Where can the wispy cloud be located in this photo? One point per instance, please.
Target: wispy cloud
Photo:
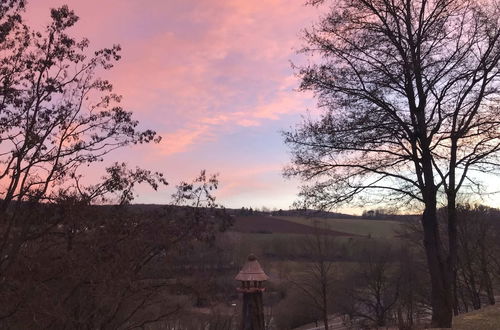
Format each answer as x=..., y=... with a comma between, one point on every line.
x=198, y=71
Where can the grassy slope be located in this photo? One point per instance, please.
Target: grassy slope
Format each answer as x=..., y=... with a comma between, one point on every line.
x=375, y=228
x=487, y=318
x=280, y=248
x=270, y=225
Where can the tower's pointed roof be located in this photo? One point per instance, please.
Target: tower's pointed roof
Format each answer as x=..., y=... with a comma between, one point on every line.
x=251, y=271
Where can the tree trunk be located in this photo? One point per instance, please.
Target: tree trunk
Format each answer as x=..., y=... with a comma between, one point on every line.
x=464, y=301
x=485, y=270
x=452, y=239
x=324, y=292
x=441, y=297
x=441, y=281
x=456, y=307
x=325, y=320
x=488, y=287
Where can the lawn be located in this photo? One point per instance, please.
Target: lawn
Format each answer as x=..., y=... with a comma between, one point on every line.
x=487, y=318
x=282, y=246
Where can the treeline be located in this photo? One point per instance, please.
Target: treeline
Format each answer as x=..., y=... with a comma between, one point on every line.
x=245, y=211
x=375, y=214
x=385, y=214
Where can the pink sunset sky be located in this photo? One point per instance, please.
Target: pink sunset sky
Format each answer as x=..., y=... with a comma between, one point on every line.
x=213, y=77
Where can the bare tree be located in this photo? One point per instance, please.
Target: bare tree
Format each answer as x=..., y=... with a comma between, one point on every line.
x=95, y=268
x=370, y=292
x=477, y=254
x=315, y=281
x=413, y=298
x=56, y=115
x=408, y=90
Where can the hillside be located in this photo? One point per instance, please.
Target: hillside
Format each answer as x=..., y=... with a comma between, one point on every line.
x=262, y=224
x=361, y=227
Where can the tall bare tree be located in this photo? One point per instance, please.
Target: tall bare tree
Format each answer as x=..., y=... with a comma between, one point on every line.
x=408, y=91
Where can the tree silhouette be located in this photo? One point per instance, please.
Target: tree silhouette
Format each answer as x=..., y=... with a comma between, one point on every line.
x=65, y=260
x=55, y=115
x=408, y=91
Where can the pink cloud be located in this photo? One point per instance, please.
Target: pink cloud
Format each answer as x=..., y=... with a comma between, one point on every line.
x=205, y=64
x=180, y=140
x=198, y=71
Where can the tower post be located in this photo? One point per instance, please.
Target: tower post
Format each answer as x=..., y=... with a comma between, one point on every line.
x=252, y=277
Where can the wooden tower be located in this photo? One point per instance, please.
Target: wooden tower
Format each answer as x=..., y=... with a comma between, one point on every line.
x=252, y=277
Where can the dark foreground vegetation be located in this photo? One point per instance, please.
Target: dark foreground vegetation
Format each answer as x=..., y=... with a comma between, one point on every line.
x=170, y=266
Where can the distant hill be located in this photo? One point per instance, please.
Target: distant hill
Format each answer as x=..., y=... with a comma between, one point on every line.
x=263, y=224
x=369, y=215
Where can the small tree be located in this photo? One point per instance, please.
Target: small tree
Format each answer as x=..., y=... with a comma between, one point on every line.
x=370, y=292
x=315, y=281
x=477, y=254
x=413, y=298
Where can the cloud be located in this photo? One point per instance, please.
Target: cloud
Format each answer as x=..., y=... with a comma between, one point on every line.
x=180, y=140
x=197, y=71
x=211, y=62
x=199, y=68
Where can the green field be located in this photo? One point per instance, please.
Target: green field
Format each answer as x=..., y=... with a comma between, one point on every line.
x=282, y=253
x=277, y=246
x=374, y=228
